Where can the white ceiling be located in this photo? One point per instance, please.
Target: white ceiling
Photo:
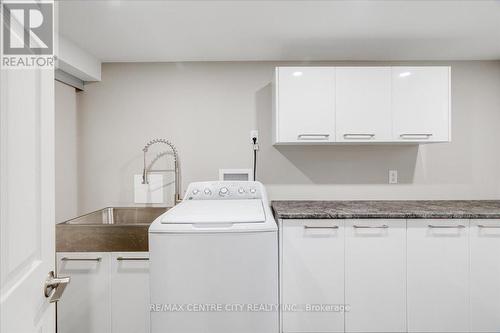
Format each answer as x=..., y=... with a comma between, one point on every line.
x=136, y=30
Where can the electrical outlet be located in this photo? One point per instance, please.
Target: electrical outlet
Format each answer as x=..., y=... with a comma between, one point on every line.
x=254, y=134
x=393, y=176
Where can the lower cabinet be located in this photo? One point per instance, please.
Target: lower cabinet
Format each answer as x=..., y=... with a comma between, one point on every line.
x=417, y=275
x=130, y=292
x=108, y=292
x=375, y=275
x=438, y=275
x=312, y=275
x=485, y=275
x=86, y=304
x=343, y=275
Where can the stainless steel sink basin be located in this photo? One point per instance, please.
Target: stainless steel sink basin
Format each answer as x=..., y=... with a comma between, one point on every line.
x=112, y=229
x=119, y=216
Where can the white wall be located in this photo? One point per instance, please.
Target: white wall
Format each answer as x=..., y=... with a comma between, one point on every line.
x=208, y=110
x=66, y=152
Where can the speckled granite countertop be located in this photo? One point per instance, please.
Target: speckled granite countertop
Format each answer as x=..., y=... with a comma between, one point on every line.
x=439, y=209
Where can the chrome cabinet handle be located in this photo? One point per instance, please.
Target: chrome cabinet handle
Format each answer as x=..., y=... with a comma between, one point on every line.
x=81, y=259
x=54, y=287
x=488, y=226
x=359, y=136
x=131, y=259
x=416, y=135
x=321, y=227
x=383, y=226
x=313, y=136
x=460, y=226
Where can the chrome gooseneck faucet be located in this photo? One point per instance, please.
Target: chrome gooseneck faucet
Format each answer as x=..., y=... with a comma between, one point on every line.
x=177, y=195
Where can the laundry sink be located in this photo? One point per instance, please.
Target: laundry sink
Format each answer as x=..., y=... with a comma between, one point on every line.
x=111, y=229
x=118, y=216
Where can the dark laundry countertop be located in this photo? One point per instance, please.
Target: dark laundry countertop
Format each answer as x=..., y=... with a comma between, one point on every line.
x=404, y=209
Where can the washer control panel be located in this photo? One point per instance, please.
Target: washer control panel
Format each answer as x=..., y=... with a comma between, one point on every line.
x=224, y=190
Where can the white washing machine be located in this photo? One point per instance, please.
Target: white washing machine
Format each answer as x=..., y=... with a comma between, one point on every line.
x=214, y=262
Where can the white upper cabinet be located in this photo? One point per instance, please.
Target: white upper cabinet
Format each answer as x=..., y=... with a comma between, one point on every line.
x=421, y=103
x=363, y=104
x=305, y=105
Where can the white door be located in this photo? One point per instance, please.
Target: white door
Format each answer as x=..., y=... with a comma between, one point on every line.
x=485, y=275
x=363, y=104
x=421, y=103
x=375, y=275
x=130, y=292
x=26, y=199
x=438, y=274
x=305, y=102
x=312, y=281
x=86, y=306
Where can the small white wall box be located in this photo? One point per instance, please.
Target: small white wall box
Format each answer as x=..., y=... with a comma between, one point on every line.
x=148, y=193
x=235, y=174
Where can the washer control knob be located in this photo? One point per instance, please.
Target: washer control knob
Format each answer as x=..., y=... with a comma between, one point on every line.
x=223, y=191
x=252, y=190
x=241, y=190
x=207, y=191
x=195, y=191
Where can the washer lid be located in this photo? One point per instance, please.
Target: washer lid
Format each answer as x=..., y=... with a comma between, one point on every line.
x=216, y=211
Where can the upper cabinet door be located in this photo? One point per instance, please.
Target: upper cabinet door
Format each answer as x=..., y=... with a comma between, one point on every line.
x=363, y=104
x=305, y=105
x=421, y=104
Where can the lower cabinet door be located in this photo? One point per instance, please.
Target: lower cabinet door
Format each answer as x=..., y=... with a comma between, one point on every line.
x=85, y=306
x=130, y=292
x=485, y=275
x=375, y=275
x=438, y=270
x=312, y=276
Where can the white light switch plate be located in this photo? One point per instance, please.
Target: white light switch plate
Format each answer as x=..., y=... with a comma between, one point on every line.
x=148, y=193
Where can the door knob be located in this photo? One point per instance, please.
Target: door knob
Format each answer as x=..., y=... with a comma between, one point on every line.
x=54, y=286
